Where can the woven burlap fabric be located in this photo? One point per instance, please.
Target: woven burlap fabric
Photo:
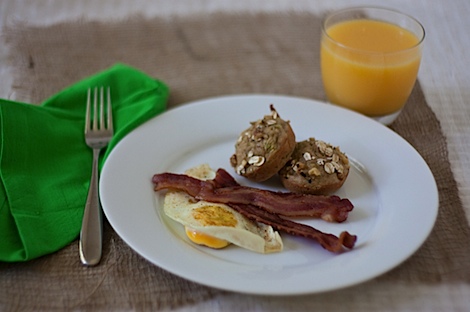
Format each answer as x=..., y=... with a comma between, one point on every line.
x=200, y=57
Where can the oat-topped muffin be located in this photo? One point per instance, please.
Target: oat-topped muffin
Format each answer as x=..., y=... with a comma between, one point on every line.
x=316, y=167
x=263, y=148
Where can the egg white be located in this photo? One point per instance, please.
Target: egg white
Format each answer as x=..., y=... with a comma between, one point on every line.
x=219, y=220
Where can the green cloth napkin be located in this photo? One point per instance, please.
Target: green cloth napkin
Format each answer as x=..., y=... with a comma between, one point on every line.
x=45, y=165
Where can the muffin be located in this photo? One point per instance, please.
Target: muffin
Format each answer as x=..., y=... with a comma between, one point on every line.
x=264, y=148
x=315, y=167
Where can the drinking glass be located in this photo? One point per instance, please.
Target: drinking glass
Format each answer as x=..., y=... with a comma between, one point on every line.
x=370, y=58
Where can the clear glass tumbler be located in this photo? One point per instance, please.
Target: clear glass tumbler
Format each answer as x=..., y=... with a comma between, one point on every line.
x=370, y=58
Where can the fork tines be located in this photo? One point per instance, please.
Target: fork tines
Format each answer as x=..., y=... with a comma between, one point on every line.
x=99, y=94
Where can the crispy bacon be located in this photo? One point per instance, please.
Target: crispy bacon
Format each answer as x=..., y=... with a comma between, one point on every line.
x=329, y=208
x=223, y=180
x=328, y=241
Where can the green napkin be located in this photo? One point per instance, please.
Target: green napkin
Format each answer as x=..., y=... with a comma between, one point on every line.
x=45, y=165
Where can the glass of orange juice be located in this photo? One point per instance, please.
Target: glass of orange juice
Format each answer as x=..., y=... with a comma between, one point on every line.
x=370, y=58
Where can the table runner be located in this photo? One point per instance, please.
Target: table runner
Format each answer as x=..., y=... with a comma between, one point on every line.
x=199, y=57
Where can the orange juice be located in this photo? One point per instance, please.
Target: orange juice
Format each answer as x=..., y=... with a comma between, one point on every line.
x=369, y=66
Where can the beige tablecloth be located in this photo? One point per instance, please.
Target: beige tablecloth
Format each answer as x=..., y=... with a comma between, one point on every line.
x=201, y=56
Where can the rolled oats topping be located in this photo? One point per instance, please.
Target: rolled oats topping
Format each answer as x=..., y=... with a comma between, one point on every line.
x=329, y=168
x=307, y=156
x=329, y=151
x=256, y=160
x=274, y=113
x=315, y=167
x=241, y=168
x=314, y=172
x=321, y=146
x=318, y=158
x=266, y=142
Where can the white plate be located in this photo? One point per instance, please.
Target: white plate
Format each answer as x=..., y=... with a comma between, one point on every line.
x=393, y=191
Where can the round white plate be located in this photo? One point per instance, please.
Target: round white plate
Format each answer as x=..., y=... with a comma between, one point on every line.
x=393, y=191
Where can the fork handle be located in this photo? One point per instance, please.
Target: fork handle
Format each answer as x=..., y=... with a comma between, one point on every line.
x=91, y=234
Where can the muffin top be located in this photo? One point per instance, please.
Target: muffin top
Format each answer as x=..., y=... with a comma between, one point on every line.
x=315, y=167
x=263, y=149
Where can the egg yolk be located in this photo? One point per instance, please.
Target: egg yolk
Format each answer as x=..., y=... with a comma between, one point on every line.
x=204, y=239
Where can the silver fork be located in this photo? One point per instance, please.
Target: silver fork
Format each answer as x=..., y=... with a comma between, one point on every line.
x=97, y=135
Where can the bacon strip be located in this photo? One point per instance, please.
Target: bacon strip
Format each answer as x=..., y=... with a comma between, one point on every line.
x=329, y=208
x=224, y=180
x=328, y=241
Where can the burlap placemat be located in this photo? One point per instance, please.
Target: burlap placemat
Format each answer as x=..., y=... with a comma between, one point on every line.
x=199, y=57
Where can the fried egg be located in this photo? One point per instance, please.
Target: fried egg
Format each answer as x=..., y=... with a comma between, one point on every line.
x=217, y=225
